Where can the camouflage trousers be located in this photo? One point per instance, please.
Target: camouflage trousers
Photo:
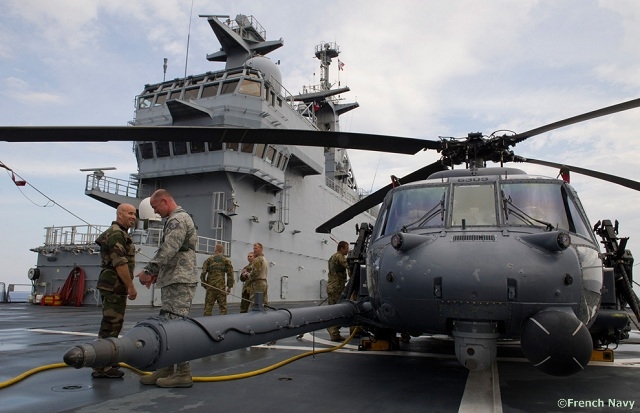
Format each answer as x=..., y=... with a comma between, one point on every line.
x=113, y=307
x=261, y=287
x=215, y=295
x=176, y=299
x=246, y=298
x=334, y=291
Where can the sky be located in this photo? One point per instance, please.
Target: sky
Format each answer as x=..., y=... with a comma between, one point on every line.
x=419, y=69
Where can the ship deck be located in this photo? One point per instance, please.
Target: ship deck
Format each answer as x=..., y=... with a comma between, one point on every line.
x=423, y=375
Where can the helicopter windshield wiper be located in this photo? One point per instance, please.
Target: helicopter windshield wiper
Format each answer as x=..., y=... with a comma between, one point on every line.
x=523, y=216
x=439, y=207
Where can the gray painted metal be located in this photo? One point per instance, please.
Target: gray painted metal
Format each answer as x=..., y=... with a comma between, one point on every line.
x=158, y=342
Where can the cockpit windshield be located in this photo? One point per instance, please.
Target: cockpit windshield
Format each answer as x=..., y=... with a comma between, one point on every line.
x=535, y=203
x=473, y=205
x=416, y=208
x=546, y=204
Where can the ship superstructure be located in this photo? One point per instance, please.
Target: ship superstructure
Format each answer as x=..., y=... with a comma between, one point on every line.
x=238, y=194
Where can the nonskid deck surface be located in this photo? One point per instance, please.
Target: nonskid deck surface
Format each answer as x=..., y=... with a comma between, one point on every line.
x=423, y=376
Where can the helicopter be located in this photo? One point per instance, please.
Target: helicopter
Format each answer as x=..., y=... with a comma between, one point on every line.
x=480, y=254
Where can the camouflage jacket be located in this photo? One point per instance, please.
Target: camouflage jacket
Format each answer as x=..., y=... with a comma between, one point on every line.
x=338, y=267
x=116, y=248
x=259, y=268
x=217, y=266
x=175, y=260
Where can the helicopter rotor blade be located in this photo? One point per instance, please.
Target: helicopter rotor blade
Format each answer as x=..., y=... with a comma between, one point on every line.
x=377, y=197
x=620, y=107
x=363, y=141
x=588, y=172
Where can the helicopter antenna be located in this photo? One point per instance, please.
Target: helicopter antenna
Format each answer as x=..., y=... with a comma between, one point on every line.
x=375, y=174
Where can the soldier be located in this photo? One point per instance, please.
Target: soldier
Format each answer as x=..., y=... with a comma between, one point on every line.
x=338, y=267
x=244, y=277
x=174, y=270
x=258, y=275
x=216, y=266
x=116, y=278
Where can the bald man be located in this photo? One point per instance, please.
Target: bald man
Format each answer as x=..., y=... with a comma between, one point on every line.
x=115, y=282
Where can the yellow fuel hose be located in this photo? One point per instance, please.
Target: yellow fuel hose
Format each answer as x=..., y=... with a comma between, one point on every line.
x=195, y=379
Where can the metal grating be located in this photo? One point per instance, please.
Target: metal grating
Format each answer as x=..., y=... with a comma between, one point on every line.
x=470, y=237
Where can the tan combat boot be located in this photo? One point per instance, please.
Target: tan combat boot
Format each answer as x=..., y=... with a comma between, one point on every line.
x=181, y=378
x=153, y=378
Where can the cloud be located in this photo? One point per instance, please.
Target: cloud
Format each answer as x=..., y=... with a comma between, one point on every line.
x=19, y=90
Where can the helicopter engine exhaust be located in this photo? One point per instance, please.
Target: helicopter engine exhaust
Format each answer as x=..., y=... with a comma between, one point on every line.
x=556, y=342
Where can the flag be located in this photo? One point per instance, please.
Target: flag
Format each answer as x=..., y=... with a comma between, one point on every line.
x=18, y=182
x=340, y=65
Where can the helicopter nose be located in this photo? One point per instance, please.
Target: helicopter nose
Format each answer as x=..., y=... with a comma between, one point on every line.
x=556, y=342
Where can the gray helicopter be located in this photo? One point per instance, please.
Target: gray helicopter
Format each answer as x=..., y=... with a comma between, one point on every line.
x=480, y=254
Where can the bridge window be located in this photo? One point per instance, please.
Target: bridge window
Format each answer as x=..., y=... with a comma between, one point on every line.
x=260, y=149
x=283, y=165
x=146, y=150
x=250, y=87
x=196, y=147
x=247, y=148
x=191, y=94
x=179, y=148
x=214, y=146
x=162, y=149
x=144, y=102
x=232, y=146
x=271, y=153
x=161, y=99
x=175, y=94
x=229, y=87
x=210, y=90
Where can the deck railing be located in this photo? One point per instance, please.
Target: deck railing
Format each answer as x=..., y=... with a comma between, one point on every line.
x=77, y=236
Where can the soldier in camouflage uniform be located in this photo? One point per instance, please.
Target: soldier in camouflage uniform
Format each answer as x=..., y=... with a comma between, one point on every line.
x=244, y=277
x=216, y=266
x=174, y=270
x=338, y=268
x=258, y=275
x=115, y=282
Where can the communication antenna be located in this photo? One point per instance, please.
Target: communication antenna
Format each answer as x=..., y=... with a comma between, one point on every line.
x=108, y=168
x=164, y=77
x=186, y=59
x=98, y=173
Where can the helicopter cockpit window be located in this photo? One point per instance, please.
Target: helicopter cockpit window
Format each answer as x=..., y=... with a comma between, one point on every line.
x=535, y=203
x=473, y=204
x=579, y=220
x=416, y=207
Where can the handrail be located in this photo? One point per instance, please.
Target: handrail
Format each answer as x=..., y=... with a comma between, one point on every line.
x=115, y=186
x=79, y=237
